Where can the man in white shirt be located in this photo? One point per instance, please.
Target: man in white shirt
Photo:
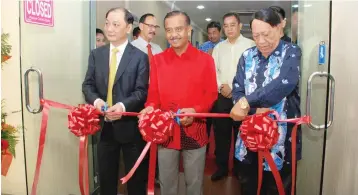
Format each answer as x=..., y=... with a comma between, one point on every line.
x=148, y=26
x=226, y=55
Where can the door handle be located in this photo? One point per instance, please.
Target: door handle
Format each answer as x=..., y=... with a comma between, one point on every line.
x=27, y=93
x=331, y=99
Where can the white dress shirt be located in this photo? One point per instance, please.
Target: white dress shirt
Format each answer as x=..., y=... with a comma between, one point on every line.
x=121, y=49
x=141, y=44
x=226, y=56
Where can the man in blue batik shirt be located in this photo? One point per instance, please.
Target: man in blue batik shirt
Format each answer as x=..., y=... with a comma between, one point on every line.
x=267, y=78
x=214, y=35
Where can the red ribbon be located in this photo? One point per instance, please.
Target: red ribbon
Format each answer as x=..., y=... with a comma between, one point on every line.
x=82, y=121
x=156, y=127
x=46, y=108
x=260, y=133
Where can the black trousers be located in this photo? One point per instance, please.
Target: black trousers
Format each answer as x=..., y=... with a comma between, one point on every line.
x=209, y=122
x=223, y=132
x=108, y=160
x=249, y=179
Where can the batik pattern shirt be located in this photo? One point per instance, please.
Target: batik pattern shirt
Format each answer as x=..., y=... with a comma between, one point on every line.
x=271, y=82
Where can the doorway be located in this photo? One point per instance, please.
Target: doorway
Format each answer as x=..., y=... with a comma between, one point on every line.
x=61, y=57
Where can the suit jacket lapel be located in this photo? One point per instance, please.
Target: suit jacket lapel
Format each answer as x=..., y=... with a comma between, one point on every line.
x=126, y=59
x=105, y=67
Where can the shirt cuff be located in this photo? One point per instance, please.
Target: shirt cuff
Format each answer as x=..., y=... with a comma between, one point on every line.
x=123, y=107
x=95, y=102
x=149, y=104
x=253, y=101
x=219, y=84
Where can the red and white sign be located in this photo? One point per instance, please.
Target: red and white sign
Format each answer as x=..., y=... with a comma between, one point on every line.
x=39, y=12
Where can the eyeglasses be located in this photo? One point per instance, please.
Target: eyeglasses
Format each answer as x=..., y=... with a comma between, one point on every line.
x=152, y=26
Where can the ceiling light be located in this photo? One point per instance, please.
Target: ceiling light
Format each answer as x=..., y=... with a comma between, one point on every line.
x=208, y=19
x=200, y=7
x=295, y=6
x=307, y=5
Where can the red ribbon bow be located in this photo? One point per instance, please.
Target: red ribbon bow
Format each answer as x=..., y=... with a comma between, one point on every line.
x=259, y=133
x=83, y=121
x=156, y=127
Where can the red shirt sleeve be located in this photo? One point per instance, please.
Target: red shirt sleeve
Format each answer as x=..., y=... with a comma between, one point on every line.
x=209, y=86
x=153, y=91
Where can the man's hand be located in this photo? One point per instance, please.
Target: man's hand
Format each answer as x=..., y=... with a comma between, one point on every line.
x=187, y=121
x=146, y=110
x=262, y=110
x=237, y=112
x=225, y=90
x=114, y=112
x=99, y=104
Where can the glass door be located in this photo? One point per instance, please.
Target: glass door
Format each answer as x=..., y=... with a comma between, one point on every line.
x=55, y=44
x=310, y=24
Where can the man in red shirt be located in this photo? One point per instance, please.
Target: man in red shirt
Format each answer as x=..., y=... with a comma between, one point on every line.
x=182, y=78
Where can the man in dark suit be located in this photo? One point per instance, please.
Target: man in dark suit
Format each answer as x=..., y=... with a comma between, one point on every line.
x=118, y=74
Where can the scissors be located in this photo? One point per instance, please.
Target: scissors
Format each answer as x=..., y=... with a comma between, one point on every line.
x=104, y=110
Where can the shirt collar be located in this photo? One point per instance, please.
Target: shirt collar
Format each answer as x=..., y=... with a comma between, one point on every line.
x=190, y=51
x=142, y=41
x=216, y=42
x=237, y=40
x=121, y=47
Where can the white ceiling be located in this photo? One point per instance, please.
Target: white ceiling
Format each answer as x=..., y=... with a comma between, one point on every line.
x=216, y=9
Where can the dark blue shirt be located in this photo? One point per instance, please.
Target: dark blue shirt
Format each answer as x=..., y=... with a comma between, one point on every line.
x=271, y=82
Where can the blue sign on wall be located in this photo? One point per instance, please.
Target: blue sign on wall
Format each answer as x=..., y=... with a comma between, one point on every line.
x=322, y=53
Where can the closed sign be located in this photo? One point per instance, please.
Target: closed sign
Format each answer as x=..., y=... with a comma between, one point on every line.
x=39, y=12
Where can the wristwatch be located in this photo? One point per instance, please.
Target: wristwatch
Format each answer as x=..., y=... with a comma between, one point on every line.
x=243, y=103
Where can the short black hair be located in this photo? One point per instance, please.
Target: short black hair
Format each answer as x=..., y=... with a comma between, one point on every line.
x=128, y=17
x=294, y=10
x=267, y=15
x=142, y=19
x=136, y=31
x=214, y=24
x=280, y=11
x=236, y=15
x=177, y=12
x=99, y=31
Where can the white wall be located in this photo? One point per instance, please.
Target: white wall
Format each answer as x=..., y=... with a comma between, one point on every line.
x=138, y=8
x=14, y=182
x=341, y=164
